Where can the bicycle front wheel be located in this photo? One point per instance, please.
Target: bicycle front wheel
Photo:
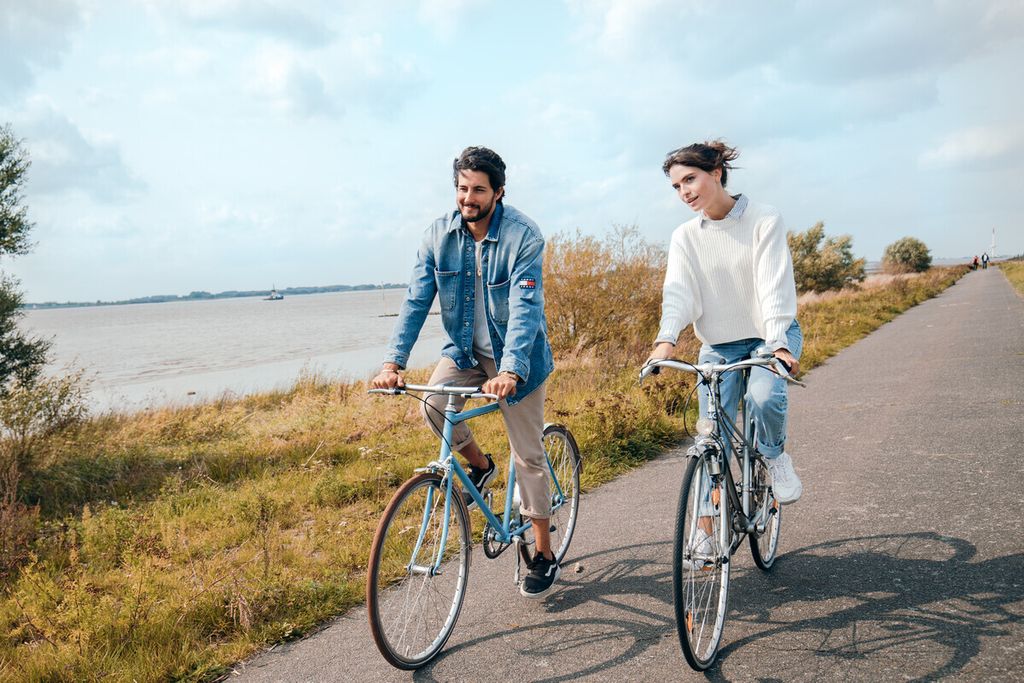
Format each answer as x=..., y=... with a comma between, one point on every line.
x=764, y=546
x=700, y=566
x=419, y=567
x=564, y=486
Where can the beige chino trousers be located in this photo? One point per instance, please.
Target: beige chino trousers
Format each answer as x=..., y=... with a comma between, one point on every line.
x=524, y=423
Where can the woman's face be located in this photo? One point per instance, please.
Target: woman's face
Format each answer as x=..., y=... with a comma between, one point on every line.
x=697, y=188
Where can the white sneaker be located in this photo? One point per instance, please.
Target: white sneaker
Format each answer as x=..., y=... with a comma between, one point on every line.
x=702, y=551
x=785, y=484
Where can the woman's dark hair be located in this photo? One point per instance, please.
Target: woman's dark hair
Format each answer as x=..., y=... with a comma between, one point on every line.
x=484, y=160
x=707, y=156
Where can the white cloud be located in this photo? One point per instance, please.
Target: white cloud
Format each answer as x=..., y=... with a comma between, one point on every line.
x=289, y=22
x=33, y=35
x=290, y=84
x=65, y=160
x=832, y=42
x=445, y=16
x=976, y=146
x=184, y=61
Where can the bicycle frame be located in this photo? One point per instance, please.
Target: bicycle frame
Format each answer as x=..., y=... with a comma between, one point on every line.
x=727, y=434
x=723, y=437
x=447, y=463
x=504, y=529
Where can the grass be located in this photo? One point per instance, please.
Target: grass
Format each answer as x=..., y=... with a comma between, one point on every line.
x=1014, y=272
x=175, y=542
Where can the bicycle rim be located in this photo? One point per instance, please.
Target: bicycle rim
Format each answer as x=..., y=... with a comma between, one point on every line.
x=700, y=570
x=765, y=545
x=564, y=487
x=413, y=609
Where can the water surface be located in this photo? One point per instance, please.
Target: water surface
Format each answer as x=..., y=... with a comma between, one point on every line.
x=143, y=355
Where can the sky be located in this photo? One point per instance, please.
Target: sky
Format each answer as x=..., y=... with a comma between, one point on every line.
x=182, y=145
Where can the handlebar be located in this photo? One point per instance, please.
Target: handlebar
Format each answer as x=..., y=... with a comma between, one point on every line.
x=706, y=370
x=464, y=392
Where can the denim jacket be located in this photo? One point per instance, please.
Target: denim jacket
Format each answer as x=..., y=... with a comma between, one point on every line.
x=512, y=259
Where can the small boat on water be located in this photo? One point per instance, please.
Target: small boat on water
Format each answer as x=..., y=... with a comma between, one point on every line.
x=274, y=295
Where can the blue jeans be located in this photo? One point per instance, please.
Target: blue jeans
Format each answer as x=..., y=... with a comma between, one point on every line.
x=767, y=396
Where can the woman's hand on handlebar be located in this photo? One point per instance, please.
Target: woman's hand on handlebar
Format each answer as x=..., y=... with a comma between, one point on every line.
x=790, y=360
x=662, y=351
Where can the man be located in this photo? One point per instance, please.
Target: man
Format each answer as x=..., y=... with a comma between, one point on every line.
x=484, y=261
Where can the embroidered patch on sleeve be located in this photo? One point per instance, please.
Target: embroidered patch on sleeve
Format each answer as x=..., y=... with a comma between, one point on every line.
x=527, y=283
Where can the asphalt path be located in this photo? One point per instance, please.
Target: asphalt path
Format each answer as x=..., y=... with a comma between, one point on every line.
x=904, y=560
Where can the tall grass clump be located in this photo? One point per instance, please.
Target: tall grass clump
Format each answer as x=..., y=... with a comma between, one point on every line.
x=172, y=543
x=1014, y=272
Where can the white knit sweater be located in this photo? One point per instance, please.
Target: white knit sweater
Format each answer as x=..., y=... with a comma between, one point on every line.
x=733, y=278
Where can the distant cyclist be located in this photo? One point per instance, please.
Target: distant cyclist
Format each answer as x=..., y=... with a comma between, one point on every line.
x=484, y=261
x=730, y=273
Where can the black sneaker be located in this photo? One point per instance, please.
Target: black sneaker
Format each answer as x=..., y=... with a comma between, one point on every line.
x=480, y=479
x=542, y=577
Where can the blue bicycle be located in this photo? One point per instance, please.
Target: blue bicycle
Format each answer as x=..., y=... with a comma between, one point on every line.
x=419, y=561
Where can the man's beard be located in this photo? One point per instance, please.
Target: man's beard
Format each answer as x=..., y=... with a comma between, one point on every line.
x=473, y=218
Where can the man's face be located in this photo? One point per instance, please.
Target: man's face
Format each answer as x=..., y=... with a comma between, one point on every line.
x=696, y=187
x=475, y=197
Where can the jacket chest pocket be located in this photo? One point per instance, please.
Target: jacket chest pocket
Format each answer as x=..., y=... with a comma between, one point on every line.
x=497, y=297
x=447, y=287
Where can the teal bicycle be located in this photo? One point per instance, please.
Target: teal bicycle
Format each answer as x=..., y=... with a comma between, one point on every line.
x=420, y=558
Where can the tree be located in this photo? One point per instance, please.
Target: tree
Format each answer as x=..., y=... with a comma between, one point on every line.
x=820, y=267
x=907, y=255
x=21, y=357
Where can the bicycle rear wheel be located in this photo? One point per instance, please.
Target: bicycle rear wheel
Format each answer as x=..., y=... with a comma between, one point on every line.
x=700, y=567
x=764, y=546
x=412, y=605
x=564, y=486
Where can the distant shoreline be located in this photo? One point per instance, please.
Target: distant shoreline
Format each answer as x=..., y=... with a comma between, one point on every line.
x=203, y=296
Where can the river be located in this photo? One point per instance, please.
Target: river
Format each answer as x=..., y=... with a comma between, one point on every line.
x=177, y=353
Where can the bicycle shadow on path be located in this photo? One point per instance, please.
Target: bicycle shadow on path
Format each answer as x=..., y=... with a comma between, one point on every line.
x=912, y=605
x=623, y=583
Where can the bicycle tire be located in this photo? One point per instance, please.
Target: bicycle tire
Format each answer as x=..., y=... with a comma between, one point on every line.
x=764, y=546
x=700, y=564
x=564, y=458
x=400, y=599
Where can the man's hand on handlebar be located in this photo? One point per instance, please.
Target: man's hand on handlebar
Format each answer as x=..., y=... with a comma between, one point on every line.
x=388, y=378
x=501, y=385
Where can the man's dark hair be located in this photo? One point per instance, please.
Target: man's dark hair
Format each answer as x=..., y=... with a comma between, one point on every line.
x=481, y=159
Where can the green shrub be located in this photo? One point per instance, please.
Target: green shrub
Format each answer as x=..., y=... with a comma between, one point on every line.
x=907, y=255
x=821, y=267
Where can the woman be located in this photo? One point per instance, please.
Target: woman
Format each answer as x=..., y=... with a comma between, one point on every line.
x=730, y=273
